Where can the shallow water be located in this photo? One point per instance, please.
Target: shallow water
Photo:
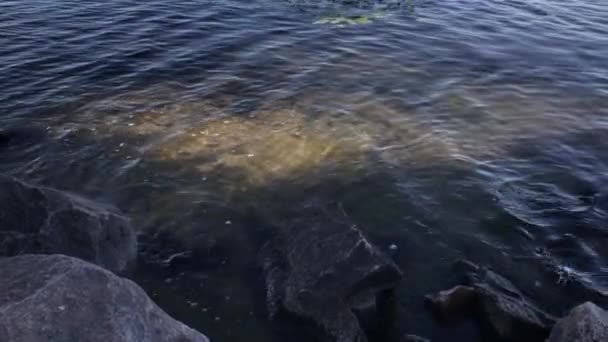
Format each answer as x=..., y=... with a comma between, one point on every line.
x=453, y=129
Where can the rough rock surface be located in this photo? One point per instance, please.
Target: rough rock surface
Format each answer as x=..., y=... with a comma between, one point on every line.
x=496, y=303
x=321, y=270
x=506, y=310
x=59, y=298
x=36, y=219
x=585, y=323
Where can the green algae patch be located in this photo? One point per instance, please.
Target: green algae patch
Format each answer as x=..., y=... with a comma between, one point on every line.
x=345, y=20
x=342, y=20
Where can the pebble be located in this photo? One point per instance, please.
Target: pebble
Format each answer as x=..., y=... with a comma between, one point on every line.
x=131, y=124
x=250, y=155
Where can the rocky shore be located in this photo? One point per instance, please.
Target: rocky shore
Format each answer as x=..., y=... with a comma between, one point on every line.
x=62, y=257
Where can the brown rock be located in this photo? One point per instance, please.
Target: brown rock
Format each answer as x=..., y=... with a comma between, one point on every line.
x=498, y=306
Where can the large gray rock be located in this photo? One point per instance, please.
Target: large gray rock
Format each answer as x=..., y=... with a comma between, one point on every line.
x=52, y=298
x=320, y=270
x=495, y=303
x=35, y=219
x=585, y=323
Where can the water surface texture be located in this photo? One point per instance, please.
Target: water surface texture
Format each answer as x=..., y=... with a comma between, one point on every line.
x=451, y=129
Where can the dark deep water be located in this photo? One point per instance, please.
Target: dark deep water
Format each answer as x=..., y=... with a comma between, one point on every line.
x=452, y=129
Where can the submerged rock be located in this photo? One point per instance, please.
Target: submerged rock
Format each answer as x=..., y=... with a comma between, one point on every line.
x=496, y=304
x=273, y=145
x=35, y=219
x=60, y=298
x=321, y=271
x=585, y=323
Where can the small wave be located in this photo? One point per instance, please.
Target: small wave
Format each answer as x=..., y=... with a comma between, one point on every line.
x=536, y=201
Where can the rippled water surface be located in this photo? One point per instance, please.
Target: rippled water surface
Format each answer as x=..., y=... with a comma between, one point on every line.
x=452, y=129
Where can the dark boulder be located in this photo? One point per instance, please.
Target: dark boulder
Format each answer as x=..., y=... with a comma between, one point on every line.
x=60, y=298
x=500, y=308
x=323, y=271
x=504, y=309
x=585, y=323
x=35, y=219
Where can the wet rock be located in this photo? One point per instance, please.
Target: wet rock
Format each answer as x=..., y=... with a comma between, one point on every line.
x=500, y=308
x=35, y=219
x=512, y=318
x=585, y=323
x=413, y=338
x=60, y=298
x=454, y=303
x=320, y=270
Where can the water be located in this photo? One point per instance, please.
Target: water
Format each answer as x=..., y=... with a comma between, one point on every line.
x=451, y=129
